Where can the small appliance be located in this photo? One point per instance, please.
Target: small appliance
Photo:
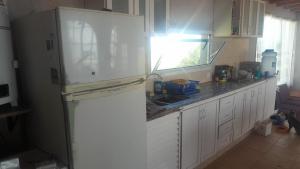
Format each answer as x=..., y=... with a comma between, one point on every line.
x=269, y=61
x=223, y=73
x=249, y=69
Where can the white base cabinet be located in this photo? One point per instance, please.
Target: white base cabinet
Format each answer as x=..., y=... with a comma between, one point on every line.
x=253, y=106
x=184, y=140
x=238, y=115
x=208, y=129
x=199, y=128
x=163, y=142
x=225, y=135
x=261, y=102
x=271, y=87
x=190, y=138
x=246, y=111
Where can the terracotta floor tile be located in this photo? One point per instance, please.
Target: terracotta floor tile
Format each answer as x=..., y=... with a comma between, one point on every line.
x=264, y=164
x=295, y=165
x=278, y=151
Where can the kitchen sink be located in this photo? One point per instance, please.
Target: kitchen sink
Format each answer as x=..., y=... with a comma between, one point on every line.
x=165, y=100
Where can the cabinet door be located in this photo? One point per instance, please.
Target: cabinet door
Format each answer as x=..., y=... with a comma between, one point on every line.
x=270, y=97
x=208, y=130
x=123, y=6
x=225, y=135
x=245, y=17
x=191, y=16
x=261, y=102
x=253, y=106
x=252, y=27
x=238, y=115
x=246, y=111
x=159, y=16
x=222, y=17
x=163, y=140
x=190, y=138
x=261, y=18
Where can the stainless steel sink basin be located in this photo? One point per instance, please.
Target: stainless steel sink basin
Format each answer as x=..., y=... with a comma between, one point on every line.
x=165, y=100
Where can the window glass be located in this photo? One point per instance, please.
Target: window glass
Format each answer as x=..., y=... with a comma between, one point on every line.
x=279, y=34
x=179, y=51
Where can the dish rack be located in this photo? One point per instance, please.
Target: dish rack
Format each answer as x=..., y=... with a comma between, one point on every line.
x=182, y=87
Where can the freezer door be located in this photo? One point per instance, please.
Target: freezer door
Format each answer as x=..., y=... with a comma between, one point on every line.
x=99, y=46
x=109, y=132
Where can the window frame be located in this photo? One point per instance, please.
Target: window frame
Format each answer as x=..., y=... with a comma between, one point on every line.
x=182, y=70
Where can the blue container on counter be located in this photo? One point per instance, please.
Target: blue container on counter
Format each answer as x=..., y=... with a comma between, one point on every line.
x=191, y=87
x=158, y=87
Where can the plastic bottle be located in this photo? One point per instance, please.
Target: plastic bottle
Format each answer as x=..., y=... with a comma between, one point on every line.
x=269, y=61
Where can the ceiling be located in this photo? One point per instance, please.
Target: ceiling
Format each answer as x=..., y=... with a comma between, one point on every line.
x=292, y=5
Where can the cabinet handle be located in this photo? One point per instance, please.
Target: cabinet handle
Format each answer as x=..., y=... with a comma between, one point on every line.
x=49, y=44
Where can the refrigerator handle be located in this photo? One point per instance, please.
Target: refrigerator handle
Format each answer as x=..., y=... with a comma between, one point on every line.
x=104, y=91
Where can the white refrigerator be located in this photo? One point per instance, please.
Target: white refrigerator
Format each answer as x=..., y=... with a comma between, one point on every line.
x=8, y=89
x=84, y=71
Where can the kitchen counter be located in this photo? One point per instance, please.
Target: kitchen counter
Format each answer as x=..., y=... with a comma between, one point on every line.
x=208, y=91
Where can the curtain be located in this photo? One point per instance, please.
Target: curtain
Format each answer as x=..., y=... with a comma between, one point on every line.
x=279, y=34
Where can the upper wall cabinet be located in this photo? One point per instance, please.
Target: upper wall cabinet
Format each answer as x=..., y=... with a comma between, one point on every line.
x=124, y=6
x=244, y=18
x=159, y=16
x=191, y=16
x=178, y=16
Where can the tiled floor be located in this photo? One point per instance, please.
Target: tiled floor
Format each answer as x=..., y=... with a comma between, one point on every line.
x=281, y=150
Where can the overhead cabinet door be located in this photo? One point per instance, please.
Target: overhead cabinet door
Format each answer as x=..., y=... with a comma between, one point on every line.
x=191, y=16
x=243, y=18
x=261, y=18
x=253, y=19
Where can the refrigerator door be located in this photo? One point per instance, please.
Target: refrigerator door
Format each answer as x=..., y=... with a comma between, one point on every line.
x=7, y=71
x=109, y=131
x=97, y=46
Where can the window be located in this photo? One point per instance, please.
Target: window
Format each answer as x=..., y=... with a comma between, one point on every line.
x=179, y=51
x=279, y=34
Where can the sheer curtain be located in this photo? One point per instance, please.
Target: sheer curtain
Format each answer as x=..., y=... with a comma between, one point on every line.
x=279, y=34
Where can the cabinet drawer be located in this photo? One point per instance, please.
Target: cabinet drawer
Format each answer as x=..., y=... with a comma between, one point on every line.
x=226, y=109
x=225, y=135
x=226, y=129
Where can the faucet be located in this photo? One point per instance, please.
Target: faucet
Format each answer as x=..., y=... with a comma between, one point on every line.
x=154, y=74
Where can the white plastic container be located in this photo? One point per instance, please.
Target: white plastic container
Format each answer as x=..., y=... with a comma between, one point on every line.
x=269, y=60
x=264, y=128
